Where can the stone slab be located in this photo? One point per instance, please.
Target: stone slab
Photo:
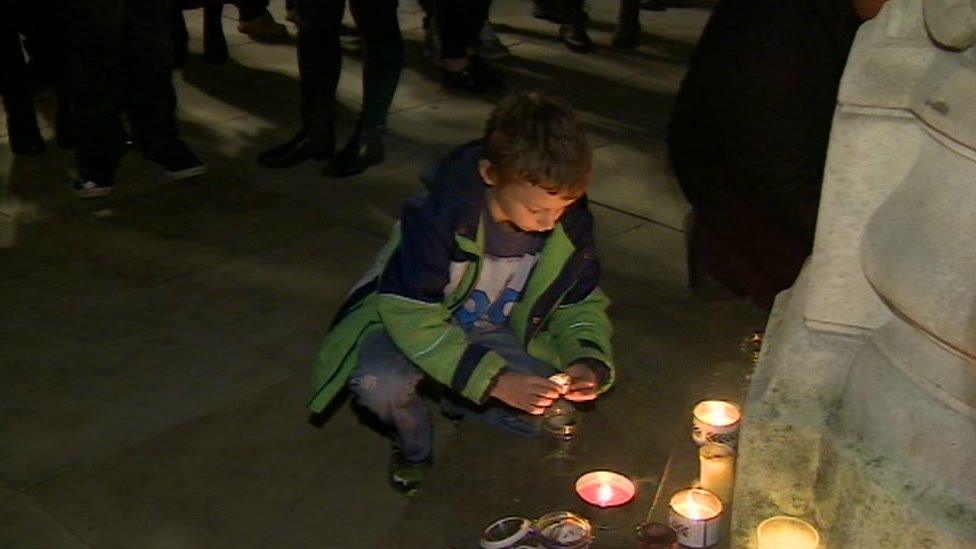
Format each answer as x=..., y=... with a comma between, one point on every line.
x=24, y=524
x=234, y=478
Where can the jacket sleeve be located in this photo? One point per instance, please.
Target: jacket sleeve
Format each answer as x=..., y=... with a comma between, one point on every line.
x=581, y=327
x=411, y=305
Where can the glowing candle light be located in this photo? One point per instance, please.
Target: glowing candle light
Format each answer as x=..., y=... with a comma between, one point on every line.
x=787, y=533
x=605, y=488
x=608, y=494
x=695, y=515
x=716, y=421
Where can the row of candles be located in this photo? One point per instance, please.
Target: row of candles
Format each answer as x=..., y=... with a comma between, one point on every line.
x=695, y=513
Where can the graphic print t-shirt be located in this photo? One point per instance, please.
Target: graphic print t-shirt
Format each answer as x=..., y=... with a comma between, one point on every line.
x=510, y=255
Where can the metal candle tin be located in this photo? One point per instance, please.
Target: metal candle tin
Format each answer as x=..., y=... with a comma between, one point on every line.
x=556, y=530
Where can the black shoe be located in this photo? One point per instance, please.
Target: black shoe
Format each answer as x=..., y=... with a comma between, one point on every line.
x=297, y=149
x=477, y=77
x=545, y=15
x=575, y=38
x=85, y=187
x=363, y=150
x=24, y=135
x=178, y=161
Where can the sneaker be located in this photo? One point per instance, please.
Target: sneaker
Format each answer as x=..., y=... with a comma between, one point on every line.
x=263, y=27
x=178, y=161
x=407, y=476
x=490, y=46
x=89, y=188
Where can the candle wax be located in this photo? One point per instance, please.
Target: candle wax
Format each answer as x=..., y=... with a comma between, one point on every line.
x=605, y=489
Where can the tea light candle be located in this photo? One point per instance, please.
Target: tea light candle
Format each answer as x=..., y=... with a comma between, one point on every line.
x=787, y=533
x=717, y=473
x=605, y=488
x=607, y=492
x=716, y=421
x=695, y=514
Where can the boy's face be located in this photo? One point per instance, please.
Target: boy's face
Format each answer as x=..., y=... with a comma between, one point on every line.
x=529, y=207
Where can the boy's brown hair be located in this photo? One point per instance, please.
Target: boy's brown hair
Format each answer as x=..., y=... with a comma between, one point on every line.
x=536, y=137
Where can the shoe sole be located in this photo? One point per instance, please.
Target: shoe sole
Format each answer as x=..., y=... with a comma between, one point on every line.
x=187, y=173
x=93, y=193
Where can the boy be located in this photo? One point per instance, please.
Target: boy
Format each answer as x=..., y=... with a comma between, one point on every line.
x=488, y=285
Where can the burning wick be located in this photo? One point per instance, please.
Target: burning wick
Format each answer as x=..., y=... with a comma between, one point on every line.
x=563, y=380
x=605, y=489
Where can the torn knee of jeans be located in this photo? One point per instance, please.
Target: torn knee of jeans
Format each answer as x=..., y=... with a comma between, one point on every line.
x=367, y=382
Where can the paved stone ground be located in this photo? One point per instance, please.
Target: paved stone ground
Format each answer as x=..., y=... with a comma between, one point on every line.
x=156, y=344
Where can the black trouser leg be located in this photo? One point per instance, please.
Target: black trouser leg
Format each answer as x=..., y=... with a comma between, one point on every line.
x=377, y=21
x=95, y=60
x=319, y=63
x=251, y=9
x=628, y=18
x=24, y=134
x=459, y=22
x=147, y=59
x=572, y=12
x=14, y=81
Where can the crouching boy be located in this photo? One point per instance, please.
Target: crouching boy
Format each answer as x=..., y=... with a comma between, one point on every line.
x=488, y=285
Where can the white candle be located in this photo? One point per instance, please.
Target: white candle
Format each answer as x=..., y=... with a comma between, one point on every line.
x=695, y=515
x=716, y=421
x=787, y=533
x=717, y=473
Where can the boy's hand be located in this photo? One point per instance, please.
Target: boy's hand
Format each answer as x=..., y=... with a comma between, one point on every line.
x=527, y=392
x=584, y=386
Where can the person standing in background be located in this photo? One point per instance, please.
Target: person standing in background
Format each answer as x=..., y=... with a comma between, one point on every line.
x=319, y=66
x=121, y=59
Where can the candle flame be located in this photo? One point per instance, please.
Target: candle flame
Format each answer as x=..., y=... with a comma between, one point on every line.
x=693, y=510
x=690, y=507
x=604, y=494
x=718, y=413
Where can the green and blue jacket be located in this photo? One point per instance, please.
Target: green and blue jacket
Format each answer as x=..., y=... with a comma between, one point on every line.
x=431, y=263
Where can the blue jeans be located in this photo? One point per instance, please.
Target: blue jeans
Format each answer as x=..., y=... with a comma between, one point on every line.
x=385, y=382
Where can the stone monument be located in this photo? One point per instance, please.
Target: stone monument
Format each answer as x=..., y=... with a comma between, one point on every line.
x=861, y=417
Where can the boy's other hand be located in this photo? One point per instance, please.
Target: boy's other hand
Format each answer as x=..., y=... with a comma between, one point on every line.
x=527, y=392
x=584, y=386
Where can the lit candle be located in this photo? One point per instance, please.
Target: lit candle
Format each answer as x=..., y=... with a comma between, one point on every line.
x=787, y=533
x=716, y=421
x=605, y=488
x=563, y=380
x=607, y=493
x=695, y=515
x=717, y=473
